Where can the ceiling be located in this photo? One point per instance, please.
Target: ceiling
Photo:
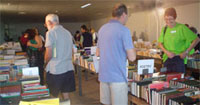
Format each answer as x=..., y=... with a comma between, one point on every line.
x=71, y=11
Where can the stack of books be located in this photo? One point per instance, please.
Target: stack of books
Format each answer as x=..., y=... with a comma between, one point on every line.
x=184, y=83
x=184, y=100
x=163, y=88
x=4, y=76
x=10, y=89
x=140, y=89
x=32, y=90
x=163, y=96
x=194, y=62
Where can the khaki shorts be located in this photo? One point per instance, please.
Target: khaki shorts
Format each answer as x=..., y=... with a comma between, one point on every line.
x=114, y=93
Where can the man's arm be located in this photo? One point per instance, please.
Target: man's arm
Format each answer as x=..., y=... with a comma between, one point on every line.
x=38, y=39
x=48, y=55
x=97, y=52
x=131, y=53
x=169, y=54
x=194, y=43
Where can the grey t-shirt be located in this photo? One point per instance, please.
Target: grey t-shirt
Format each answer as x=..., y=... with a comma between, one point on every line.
x=60, y=40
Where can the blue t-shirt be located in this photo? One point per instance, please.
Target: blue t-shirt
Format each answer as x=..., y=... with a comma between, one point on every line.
x=114, y=40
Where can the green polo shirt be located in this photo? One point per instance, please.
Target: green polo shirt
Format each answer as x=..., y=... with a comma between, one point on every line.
x=177, y=39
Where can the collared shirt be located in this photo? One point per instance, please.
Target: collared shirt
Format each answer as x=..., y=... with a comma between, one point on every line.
x=114, y=40
x=60, y=40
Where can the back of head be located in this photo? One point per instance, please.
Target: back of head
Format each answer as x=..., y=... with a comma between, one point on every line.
x=118, y=10
x=52, y=18
x=84, y=27
x=170, y=12
x=77, y=32
x=36, y=30
x=31, y=34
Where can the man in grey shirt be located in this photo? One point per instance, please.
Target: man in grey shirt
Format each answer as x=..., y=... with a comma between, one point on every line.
x=58, y=58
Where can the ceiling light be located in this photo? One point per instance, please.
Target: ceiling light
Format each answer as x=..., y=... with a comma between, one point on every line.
x=86, y=5
x=9, y=4
x=21, y=13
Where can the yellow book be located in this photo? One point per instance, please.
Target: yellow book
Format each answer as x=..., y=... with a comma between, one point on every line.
x=54, y=101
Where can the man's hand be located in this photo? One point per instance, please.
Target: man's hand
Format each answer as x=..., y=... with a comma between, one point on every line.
x=170, y=54
x=28, y=43
x=183, y=55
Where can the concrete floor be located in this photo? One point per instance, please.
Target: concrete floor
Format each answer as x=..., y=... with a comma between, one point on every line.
x=90, y=91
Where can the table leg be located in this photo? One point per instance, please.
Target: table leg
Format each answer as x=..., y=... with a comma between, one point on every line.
x=79, y=80
x=86, y=75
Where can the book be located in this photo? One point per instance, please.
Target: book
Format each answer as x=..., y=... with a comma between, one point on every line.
x=171, y=76
x=183, y=100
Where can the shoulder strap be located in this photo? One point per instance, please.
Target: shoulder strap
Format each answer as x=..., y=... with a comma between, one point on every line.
x=165, y=30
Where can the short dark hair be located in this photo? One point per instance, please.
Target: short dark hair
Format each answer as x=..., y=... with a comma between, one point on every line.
x=31, y=33
x=119, y=9
x=77, y=32
x=84, y=27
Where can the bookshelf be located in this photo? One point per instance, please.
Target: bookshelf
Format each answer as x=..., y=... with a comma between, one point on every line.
x=148, y=90
x=193, y=72
x=133, y=100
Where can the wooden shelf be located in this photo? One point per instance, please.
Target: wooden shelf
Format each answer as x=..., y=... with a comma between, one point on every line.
x=135, y=100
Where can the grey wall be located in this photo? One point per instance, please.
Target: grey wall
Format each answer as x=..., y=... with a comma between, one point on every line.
x=16, y=29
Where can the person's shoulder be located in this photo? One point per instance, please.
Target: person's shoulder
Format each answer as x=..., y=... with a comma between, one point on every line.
x=179, y=25
x=105, y=25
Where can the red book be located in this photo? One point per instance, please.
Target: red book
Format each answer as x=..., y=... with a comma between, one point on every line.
x=159, y=85
x=34, y=93
x=171, y=76
x=31, y=84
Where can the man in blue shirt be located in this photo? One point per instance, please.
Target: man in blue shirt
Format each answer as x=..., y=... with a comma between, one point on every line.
x=114, y=46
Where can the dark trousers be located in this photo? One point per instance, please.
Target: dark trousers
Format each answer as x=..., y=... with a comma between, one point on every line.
x=175, y=64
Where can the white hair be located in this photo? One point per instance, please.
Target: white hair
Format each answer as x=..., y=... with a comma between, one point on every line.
x=52, y=17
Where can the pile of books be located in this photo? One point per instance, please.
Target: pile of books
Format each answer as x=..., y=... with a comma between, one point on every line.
x=194, y=62
x=4, y=76
x=166, y=95
x=184, y=83
x=166, y=90
x=32, y=90
x=10, y=89
x=184, y=100
x=140, y=89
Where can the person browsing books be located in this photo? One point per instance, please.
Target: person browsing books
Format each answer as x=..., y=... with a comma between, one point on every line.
x=114, y=46
x=58, y=57
x=176, y=40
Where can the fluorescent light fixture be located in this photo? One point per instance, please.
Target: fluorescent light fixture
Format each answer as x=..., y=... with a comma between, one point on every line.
x=21, y=13
x=86, y=5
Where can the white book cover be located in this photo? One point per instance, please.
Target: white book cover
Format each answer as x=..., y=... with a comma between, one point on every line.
x=145, y=66
x=30, y=71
